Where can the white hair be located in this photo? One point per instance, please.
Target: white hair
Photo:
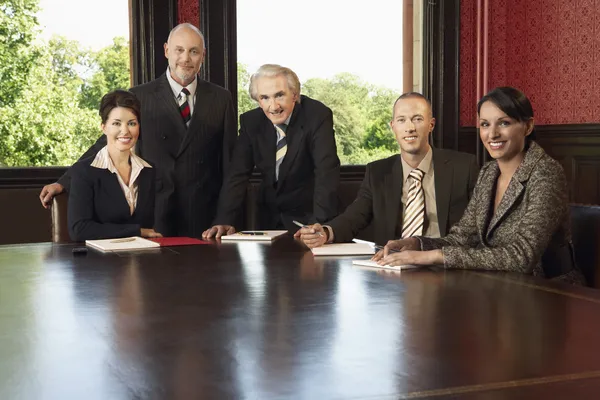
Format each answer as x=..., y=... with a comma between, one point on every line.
x=271, y=71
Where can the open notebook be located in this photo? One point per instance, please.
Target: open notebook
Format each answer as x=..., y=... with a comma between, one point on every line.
x=373, y=264
x=264, y=236
x=344, y=249
x=130, y=243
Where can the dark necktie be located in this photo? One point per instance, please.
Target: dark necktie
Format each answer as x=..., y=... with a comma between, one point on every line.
x=184, y=106
x=281, y=148
x=414, y=216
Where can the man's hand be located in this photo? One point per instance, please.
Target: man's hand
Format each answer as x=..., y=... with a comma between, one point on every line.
x=312, y=235
x=49, y=191
x=393, y=246
x=150, y=233
x=217, y=231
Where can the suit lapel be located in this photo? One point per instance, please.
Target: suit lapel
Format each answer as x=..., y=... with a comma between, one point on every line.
x=294, y=137
x=113, y=186
x=393, y=183
x=443, y=172
x=165, y=93
x=516, y=187
x=144, y=194
x=486, y=202
x=204, y=97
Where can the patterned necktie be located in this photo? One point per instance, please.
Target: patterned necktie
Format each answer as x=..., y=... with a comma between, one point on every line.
x=281, y=148
x=414, y=216
x=184, y=106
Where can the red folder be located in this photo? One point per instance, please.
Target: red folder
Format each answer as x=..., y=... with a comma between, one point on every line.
x=177, y=241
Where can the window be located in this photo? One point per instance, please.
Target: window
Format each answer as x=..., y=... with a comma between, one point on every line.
x=346, y=56
x=54, y=68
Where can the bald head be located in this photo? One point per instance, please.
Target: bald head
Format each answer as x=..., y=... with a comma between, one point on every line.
x=185, y=51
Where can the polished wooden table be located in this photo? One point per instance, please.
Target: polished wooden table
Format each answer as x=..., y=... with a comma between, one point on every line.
x=269, y=321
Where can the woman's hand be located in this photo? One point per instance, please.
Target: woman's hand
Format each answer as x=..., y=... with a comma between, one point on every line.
x=150, y=233
x=393, y=246
x=413, y=257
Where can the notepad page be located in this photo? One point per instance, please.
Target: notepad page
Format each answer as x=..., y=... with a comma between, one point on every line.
x=373, y=264
x=343, y=249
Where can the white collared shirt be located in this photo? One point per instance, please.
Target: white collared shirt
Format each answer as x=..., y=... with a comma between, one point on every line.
x=103, y=161
x=176, y=88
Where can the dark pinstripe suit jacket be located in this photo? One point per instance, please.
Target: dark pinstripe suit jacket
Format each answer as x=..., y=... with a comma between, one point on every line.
x=190, y=162
x=530, y=231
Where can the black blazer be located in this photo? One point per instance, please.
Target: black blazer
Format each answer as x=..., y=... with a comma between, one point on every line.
x=98, y=208
x=308, y=177
x=379, y=198
x=190, y=162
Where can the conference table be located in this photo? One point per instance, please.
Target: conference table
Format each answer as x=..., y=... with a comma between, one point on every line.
x=254, y=320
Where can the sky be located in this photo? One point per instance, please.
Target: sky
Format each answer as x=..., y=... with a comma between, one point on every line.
x=315, y=38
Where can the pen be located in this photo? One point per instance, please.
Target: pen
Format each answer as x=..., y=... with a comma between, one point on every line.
x=378, y=247
x=301, y=225
x=131, y=239
x=252, y=233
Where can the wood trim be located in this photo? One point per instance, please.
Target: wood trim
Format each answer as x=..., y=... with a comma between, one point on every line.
x=24, y=178
x=441, y=38
x=151, y=22
x=218, y=22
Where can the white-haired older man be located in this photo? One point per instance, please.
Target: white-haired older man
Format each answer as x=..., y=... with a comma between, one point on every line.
x=290, y=139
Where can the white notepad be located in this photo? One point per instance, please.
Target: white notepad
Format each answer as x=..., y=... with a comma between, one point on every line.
x=373, y=264
x=254, y=235
x=130, y=243
x=343, y=249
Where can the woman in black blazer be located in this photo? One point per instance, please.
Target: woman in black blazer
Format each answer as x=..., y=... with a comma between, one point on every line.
x=112, y=192
x=518, y=218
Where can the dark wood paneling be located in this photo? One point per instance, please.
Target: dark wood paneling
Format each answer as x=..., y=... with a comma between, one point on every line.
x=151, y=22
x=441, y=38
x=575, y=146
x=218, y=23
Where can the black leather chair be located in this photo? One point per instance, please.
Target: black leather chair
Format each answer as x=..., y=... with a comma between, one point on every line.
x=585, y=226
x=60, y=227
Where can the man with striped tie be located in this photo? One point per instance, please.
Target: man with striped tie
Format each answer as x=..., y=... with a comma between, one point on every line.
x=290, y=140
x=188, y=131
x=422, y=191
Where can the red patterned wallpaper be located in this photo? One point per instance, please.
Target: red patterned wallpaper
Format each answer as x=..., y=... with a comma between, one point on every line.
x=550, y=49
x=188, y=11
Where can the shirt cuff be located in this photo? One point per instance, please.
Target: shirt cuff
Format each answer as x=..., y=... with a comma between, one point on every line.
x=330, y=233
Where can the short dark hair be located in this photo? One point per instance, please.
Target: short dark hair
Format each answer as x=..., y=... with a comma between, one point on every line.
x=410, y=95
x=512, y=102
x=119, y=98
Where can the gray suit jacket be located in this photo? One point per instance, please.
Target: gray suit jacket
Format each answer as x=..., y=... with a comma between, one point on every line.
x=530, y=231
x=379, y=197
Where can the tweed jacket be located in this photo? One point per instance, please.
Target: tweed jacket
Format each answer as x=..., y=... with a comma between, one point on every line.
x=530, y=230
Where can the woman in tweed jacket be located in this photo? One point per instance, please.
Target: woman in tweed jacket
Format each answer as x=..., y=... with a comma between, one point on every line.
x=518, y=218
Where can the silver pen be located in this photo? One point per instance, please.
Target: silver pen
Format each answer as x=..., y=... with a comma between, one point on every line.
x=301, y=225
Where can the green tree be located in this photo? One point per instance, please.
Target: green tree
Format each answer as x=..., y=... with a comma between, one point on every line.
x=18, y=29
x=44, y=125
x=109, y=69
x=245, y=102
x=378, y=133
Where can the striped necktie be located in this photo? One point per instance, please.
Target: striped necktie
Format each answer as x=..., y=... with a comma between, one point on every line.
x=281, y=147
x=414, y=216
x=184, y=106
